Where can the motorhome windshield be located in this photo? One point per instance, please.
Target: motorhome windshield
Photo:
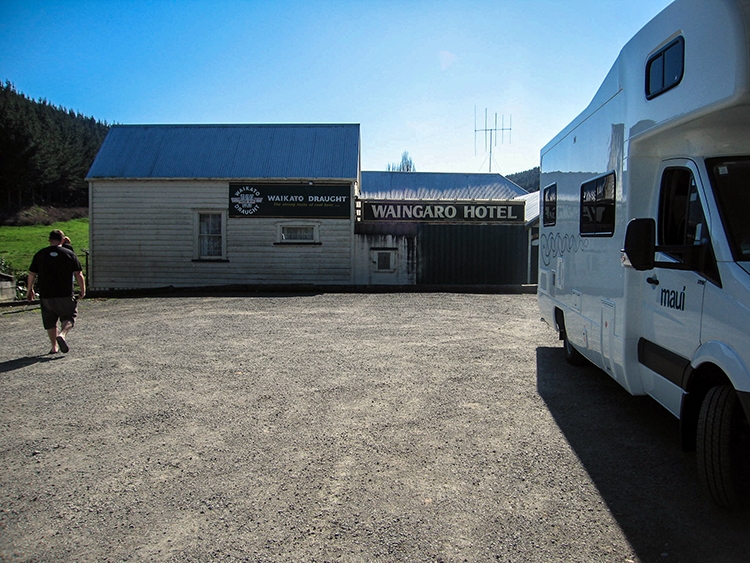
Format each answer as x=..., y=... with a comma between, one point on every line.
x=730, y=178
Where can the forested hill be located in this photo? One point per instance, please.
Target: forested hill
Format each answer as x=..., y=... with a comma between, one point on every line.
x=528, y=180
x=45, y=152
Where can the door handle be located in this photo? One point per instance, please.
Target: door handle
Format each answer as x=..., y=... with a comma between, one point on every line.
x=652, y=281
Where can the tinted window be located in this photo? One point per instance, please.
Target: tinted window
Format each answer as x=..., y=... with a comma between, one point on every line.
x=598, y=206
x=673, y=64
x=549, y=206
x=665, y=69
x=656, y=75
x=730, y=178
x=682, y=223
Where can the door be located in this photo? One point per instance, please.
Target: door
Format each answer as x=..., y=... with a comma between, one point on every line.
x=470, y=254
x=673, y=301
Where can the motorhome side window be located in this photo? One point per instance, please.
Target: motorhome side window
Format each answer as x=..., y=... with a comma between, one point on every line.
x=664, y=70
x=682, y=222
x=598, y=206
x=549, y=206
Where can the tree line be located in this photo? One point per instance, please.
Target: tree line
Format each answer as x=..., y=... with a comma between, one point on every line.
x=45, y=152
x=528, y=179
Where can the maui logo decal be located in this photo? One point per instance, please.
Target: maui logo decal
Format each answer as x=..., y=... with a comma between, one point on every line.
x=673, y=299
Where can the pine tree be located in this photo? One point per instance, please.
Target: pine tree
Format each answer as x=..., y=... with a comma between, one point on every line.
x=45, y=152
x=406, y=164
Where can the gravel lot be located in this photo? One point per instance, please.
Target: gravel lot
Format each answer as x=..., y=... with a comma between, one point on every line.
x=335, y=427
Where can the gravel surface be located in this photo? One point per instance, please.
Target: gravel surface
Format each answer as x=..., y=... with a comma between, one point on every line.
x=335, y=427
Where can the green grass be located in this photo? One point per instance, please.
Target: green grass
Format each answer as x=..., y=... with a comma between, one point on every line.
x=19, y=244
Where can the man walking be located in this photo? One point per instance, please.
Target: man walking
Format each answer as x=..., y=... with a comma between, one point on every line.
x=56, y=266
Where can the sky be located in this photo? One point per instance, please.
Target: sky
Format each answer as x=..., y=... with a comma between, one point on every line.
x=417, y=75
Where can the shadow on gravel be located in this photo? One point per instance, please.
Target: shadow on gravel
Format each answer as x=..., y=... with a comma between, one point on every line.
x=630, y=447
x=19, y=363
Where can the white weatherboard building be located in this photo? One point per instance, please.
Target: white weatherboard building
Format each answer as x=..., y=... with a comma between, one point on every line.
x=287, y=206
x=202, y=205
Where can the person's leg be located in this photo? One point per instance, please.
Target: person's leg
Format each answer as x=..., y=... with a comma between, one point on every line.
x=52, y=333
x=49, y=320
x=66, y=326
x=68, y=313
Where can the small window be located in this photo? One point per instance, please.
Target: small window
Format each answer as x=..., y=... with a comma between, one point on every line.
x=598, y=206
x=210, y=233
x=665, y=69
x=384, y=260
x=549, y=206
x=304, y=233
x=297, y=234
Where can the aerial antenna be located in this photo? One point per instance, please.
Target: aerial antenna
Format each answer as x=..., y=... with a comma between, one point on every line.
x=490, y=133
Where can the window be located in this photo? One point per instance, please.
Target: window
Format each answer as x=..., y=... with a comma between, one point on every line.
x=383, y=260
x=665, y=69
x=210, y=236
x=549, y=206
x=291, y=233
x=295, y=233
x=598, y=206
x=682, y=223
x=730, y=178
x=681, y=218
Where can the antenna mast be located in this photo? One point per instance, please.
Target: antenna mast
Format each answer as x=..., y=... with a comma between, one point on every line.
x=490, y=132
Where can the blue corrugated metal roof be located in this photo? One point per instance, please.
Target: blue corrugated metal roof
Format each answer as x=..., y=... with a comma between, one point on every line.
x=437, y=186
x=229, y=151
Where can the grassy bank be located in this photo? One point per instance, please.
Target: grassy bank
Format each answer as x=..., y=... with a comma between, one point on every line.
x=19, y=244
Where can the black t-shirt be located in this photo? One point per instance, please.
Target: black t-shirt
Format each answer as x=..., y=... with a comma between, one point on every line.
x=55, y=266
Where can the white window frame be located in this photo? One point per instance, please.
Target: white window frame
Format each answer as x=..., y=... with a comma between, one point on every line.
x=283, y=239
x=197, y=235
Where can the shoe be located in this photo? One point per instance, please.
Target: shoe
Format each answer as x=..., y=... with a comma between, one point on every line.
x=62, y=344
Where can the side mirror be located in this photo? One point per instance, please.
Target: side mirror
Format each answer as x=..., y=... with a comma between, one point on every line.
x=640, y=243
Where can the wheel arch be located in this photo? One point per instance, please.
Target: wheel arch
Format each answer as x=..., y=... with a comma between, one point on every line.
x=560, y=323
x=714, y=364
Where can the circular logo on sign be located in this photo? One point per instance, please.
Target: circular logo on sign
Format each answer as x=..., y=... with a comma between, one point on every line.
x=246, y=200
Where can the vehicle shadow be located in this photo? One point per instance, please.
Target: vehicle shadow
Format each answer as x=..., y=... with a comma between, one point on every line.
x=19, y=363
x=630, y=447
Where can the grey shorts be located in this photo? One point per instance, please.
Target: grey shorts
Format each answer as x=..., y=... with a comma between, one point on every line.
x=62, y=308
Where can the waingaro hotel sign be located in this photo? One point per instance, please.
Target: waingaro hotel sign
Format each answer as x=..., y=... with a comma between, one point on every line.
x=444, y=211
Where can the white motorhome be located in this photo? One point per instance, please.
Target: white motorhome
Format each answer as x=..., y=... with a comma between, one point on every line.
x=644, y=262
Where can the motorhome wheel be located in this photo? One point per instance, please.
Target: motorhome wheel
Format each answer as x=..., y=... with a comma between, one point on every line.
x=723, y=448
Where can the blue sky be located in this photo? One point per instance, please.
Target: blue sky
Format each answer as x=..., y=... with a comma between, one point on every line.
x=410, y=72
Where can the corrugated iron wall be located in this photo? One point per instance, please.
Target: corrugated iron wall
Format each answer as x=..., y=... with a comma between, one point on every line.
x=472, y=254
